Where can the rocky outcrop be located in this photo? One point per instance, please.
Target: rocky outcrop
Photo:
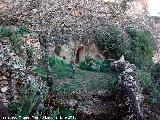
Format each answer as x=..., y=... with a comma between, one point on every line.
x=130, y=89
x=14, y=74
x=78, y=20
x=11, y=69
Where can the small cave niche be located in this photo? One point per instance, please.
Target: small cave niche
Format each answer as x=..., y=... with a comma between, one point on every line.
x=79, y=54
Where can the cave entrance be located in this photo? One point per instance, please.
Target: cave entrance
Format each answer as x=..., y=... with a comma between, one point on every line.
x=79, y=54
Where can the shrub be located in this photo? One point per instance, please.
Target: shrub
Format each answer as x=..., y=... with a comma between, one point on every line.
x=150, y=86
x=22, y=30
x=113, y=82
x=30, y=51
x=154, y=94
x=86, y=65
x=112, y=43
x=27, y=105
x=145, y=78
x=60, y=68
x=142, y=48
x=57, y=50
x=95, y=65
x=27, y=102
x=155, y=72
x=16, y=42
x=5, y=32
x=15, y=37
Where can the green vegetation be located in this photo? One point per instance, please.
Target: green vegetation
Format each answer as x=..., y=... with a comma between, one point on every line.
x=30, y=51
x=5, y=32
x=142, y=48
x=138, y=47
x=66, y=82
x=155, y=72
x=151, y=85
x=15, y=37
x=154, y=94
x=22, y=31
x=95, y=65
x=59, y=68
x=155, y=87
x=112, y=43
x=16, y=42
x=145, y=78
x=87, y=81
x=92, y=75
x=28, y=105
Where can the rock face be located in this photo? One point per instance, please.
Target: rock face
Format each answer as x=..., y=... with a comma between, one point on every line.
x=130, y=89
x=82, y=20
x=13, y=74
x=11, y=69
x=33, y=42
x=78, y=51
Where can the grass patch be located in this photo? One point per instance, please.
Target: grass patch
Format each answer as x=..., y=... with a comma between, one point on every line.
x=95, y=65
x=59, y=68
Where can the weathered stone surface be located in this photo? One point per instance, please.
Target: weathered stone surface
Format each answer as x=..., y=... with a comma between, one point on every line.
x=4, y=89
x=129, y=85
x=13, y=74
x=3, y=78
x=77, y=51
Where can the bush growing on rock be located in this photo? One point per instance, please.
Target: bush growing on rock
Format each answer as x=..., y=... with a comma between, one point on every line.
x=142, y=48
x=31, y=104
x=27, y=103
x=145, y=78
x=112, y=43
x=5, y=32
x=151, y=85
x=15, y=37
x=155, y=72
x=95, y=65
x=138, y=46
